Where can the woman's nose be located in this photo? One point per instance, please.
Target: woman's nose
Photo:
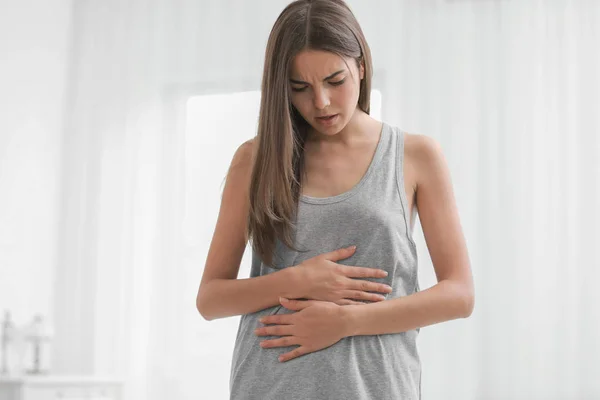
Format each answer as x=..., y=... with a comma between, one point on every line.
x=321, y=99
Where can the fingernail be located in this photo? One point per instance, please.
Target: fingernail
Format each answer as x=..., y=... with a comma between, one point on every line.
x=352, y=247
x=385, y=273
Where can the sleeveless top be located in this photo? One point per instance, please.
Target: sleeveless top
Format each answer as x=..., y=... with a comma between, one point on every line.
x=374, y=216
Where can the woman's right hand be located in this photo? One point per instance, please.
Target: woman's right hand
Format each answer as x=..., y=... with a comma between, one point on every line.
x=321, y=278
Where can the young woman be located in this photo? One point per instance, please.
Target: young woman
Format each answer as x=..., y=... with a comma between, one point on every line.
x=320, y=319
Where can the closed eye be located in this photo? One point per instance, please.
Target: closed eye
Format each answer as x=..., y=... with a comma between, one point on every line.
x=336, y=83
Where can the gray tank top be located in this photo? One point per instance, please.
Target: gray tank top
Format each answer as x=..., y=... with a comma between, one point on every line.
x=374, y=216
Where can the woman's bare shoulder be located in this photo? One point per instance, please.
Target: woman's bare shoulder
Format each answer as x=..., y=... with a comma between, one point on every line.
x=244, y=155
x=418, y=145
x=420, y=152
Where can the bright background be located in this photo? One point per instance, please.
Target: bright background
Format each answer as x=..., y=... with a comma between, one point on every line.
x=116, y=131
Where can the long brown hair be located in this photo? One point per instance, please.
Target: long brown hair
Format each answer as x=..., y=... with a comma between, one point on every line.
x=326, y=25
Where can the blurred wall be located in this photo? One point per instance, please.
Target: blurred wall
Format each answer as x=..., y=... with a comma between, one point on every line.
x=34, y=58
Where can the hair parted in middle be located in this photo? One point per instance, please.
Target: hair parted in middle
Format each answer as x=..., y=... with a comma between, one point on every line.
x=278, y=168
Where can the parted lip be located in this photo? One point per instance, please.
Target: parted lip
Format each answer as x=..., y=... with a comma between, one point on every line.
x=326, y=116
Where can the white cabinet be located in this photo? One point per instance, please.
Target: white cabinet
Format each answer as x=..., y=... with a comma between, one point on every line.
x=60, y=387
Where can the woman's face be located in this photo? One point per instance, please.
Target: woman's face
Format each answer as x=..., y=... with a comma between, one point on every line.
x=322, y=85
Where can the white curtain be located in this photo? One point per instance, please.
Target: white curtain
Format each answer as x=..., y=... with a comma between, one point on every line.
x=509, y=89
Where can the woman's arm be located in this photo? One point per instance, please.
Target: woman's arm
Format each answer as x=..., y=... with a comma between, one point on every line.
x=223, y=298
x=445, y=301
x=220, y=293
x=453, y=296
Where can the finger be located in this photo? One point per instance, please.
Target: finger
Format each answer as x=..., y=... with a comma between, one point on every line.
x=363, y=272
x=340, y=254
x=274, y=330
x=368, y=286
x=357, y=303
x=380, y=287
x=297, y=352
x=281, y=342
x=295, y=305
x=360, y=295
x=279, y=319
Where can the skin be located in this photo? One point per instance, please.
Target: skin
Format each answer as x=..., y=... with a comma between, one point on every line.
x=336, y=158
x=338, y=155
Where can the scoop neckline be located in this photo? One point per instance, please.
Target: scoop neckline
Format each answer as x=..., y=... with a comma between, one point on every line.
x=363, y=180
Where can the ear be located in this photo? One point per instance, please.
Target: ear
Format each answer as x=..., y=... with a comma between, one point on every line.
x=362, y=70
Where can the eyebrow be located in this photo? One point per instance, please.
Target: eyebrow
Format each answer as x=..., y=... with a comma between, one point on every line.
x=329, y=77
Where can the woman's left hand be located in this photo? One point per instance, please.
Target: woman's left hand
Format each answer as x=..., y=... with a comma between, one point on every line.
x=316, y=325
